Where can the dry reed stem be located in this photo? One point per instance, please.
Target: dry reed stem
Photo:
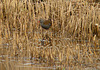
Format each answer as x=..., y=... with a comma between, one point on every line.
x=74, y=31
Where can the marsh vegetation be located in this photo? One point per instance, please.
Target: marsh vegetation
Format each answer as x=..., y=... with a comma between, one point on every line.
x=72, y=43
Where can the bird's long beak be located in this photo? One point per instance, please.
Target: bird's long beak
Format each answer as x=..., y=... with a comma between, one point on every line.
x=38, y=21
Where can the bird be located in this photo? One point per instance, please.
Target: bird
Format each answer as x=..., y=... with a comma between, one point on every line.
x=46, y=24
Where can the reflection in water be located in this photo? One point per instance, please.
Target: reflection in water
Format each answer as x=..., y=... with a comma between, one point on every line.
x=18, y=62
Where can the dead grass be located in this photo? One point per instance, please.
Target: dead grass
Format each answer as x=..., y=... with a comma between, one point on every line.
x=75, y=32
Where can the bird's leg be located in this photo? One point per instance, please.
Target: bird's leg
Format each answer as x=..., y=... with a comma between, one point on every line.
x=47, y=37
x=43, y=37
x=50, y=41
x=42, y=42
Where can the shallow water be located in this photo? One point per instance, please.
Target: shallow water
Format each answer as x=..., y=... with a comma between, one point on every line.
x=9, y=62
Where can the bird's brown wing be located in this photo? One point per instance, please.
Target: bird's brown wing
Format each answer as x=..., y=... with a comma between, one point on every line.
x=47, y=22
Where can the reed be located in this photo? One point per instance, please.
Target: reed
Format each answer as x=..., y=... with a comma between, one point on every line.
x=75, y=32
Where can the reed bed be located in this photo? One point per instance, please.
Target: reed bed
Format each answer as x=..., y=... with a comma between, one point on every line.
x=73, y=41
